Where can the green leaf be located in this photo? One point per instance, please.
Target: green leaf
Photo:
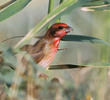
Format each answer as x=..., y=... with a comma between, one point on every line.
x=72, y=66
x=65, y=66
x=6, y=75
x=13, y=8
x=101, y=8
x=87, y=3
x=97, y=6
x=83, y=38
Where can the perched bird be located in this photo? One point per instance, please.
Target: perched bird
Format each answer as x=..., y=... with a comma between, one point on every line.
x=45, y=49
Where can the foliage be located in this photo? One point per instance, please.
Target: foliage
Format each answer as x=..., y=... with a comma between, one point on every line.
x=20, y=81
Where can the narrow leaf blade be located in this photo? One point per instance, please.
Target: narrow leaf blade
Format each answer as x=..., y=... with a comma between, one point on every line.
x=65, y=66
x=73, y=66
x=84, y=38
x=97, y=7
x=13, y=8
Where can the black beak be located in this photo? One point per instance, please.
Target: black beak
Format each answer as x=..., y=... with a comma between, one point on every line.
x=68, y=29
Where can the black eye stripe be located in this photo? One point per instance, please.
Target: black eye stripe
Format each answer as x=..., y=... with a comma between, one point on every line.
x=60, y=27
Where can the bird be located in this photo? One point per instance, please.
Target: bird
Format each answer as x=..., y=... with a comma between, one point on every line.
x=44, y=50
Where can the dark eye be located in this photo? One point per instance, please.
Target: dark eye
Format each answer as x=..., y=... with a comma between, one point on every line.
x=60, y=27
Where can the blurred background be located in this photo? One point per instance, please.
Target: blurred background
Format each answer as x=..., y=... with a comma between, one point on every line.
x=78, y=84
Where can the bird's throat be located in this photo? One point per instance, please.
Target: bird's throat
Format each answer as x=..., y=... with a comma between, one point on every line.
x=56, y=42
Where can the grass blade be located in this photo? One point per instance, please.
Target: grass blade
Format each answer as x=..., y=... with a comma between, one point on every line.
x=13, y=8
x=84, y=38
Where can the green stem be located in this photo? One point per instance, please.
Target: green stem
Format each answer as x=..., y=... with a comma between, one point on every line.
x=58, y=20
x=51, y=6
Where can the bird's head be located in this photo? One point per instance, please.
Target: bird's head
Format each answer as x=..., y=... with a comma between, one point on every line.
x=59, y=30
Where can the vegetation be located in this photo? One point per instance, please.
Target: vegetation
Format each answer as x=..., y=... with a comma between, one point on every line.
x=19, y=82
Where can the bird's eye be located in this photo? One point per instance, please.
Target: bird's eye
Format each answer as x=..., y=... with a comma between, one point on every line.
x=60, y=27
